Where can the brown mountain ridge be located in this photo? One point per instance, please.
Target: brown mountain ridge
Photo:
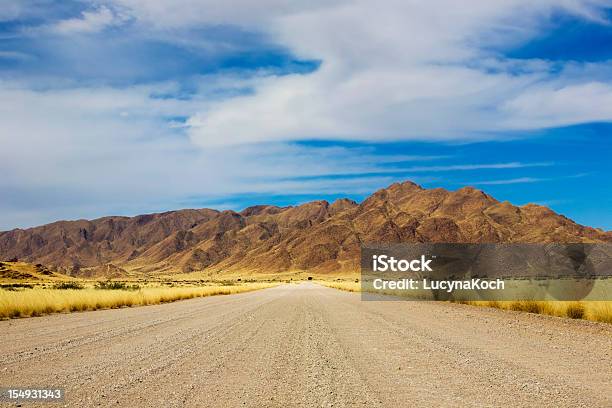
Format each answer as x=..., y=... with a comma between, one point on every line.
x=316, y=236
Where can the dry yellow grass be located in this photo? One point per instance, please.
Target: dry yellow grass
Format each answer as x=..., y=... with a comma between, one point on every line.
x=598, y=311
x=36, y=302
x=348, y=286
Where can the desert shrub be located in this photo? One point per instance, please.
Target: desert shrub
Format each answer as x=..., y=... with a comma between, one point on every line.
x=575, y=310
x=110, y=285
x=16, y=286
x=528, y=306
x=68, y=285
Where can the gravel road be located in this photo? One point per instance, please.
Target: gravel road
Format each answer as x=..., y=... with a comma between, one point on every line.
x=306, y=345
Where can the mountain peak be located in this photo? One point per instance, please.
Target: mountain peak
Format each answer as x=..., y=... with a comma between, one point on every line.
x=406, y=185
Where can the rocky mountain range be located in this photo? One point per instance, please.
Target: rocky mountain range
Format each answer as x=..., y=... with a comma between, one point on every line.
x=318, y=236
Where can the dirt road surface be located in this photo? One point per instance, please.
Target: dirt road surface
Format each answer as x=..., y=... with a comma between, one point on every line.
x=309, y=346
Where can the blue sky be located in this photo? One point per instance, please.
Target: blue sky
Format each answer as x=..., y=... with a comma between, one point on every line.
x=133, y=106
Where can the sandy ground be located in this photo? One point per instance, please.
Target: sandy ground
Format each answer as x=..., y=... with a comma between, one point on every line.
x=305, y=345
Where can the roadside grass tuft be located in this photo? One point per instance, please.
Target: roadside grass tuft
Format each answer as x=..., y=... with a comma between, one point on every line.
x=528, y=306
x=575, y=310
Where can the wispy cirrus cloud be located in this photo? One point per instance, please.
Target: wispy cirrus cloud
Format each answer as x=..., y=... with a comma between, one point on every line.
x=482, y=166
x=523, y=180
x=414, y=173
x=519, y=180
x=15, y=55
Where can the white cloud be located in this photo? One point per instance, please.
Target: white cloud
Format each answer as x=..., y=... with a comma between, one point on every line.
x=564, y=105
x=390, y=70
x=90, y=21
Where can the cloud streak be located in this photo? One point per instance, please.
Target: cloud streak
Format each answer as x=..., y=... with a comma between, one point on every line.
x=523, y=180
x=519, y=180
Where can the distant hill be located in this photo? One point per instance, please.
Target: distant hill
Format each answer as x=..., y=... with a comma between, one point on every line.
x=27, y=271
x=317, y=236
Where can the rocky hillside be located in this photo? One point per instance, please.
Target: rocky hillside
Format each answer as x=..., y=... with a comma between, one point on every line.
x=316, y=236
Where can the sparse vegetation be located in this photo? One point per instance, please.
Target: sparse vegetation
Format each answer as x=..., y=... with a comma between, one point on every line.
x=112, y=285
x=16, y=286
x=68, y=285
x=38, y=301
